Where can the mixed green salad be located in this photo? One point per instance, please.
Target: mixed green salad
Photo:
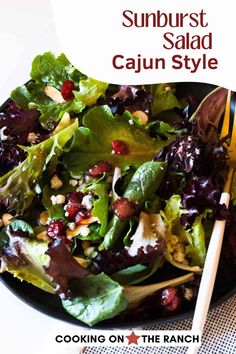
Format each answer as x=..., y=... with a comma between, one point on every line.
x=103, y=187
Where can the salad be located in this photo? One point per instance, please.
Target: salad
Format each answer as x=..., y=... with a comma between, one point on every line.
x=105, y=189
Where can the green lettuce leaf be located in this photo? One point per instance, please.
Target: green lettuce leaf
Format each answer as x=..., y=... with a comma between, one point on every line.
x=25, y=259
x=99, y=298
x=100, y=204
x=93, y=142
x=197, y=250
x=163, y=99
x=150, y=230
x=184, y=246
x=48, y=70
x=18, y=184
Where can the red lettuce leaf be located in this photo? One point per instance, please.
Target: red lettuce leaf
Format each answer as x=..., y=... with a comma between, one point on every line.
x=63, y=268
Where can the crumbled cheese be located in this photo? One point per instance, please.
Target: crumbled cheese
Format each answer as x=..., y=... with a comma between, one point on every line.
x=84, y=231
x=66, y=214
x=131, y=122
x=188, y=293
x=38, y=189
x=33, y=138
x=76, y=176
x=87, y=201
x=56, y=183
x=58, y=199
x=3, y=137
x=73, y=182
x=71, y=225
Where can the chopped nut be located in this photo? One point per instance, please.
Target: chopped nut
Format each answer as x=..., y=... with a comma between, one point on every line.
x=44, y=218
x=54, y=94
x=83, y=262
x=33, y=138
x=58, y=199
x=6, y=219
x=56, y=183
x=42, y=236
x=142, y=116
x=167, y=88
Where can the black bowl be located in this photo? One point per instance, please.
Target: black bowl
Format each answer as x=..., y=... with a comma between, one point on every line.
x=50, y=304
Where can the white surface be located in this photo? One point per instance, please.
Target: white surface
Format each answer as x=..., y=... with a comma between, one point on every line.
x=26, y=29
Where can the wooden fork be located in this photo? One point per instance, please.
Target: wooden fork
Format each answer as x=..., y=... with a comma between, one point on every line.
x=214, y=248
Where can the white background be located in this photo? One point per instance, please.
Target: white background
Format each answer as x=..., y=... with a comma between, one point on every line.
x=91, y=34
x=26, y=29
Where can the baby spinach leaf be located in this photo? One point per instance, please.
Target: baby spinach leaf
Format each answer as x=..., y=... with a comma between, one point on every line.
x=137, y=273
x=100, y=205
x=99, y=298
x=141, y=187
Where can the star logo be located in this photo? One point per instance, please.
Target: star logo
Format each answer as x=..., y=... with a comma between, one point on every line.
x=132, y=338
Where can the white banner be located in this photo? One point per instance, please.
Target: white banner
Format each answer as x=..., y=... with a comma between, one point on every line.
x=121, y=338
x=142, y=42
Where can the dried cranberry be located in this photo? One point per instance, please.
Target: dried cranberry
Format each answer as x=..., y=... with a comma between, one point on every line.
x=74, y=197
x=66, y=90
x=82, y=215
x=170, y=299
x=72, y=210
x=99, y=169
x=56, y=229
x=124, y=208
x=73, y=206
x=119, y=147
